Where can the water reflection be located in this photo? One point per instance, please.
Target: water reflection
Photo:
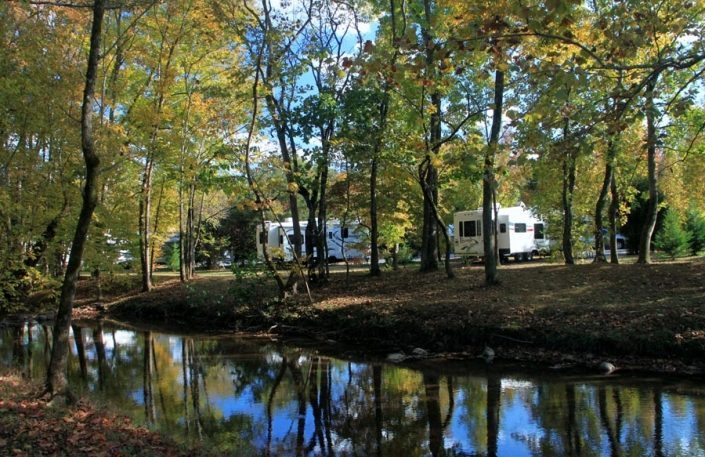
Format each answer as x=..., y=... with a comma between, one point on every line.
x=249, y=398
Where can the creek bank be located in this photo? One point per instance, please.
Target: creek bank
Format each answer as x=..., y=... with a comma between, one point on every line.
x=634, y=316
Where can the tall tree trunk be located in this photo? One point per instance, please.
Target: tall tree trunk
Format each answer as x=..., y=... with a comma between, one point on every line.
x=613, y=216
x=321, y=238
x=155, y=227
x=182, y=234
x=281, y=127
x=374, y=226
x=601, y=201
x=57, y=382
x=190, y=232
x=145, y=208
x=652, y=208
x=567, y=195
x=429, y=240
x=259, y=201
x=424, y=168
x=488, y=183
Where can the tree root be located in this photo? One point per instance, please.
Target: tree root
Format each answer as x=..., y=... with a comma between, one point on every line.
x=51, y=397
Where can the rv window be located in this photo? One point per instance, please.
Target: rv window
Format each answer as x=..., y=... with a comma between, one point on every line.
x=479, y=228
x=281, y=240
x=469, y=229
x=330, y=235
x=262, y=238
x=345, y=232
x=462, y=232
x=502, y=228
x=538, y=232
x=520, y=228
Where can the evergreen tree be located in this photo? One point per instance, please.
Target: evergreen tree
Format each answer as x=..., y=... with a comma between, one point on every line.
x=672, y=238
x=695, y=227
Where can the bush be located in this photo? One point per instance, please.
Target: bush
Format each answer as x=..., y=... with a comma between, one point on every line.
x=17, y=282
x=695, y=226
x=672, y=238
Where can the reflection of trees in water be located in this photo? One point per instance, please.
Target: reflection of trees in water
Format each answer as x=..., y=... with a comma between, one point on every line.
x=249, y=399
x=99, y=344
x=80, y=351
x=494, y=393
x=18, y=355
x=658, y=422
x=147, y=392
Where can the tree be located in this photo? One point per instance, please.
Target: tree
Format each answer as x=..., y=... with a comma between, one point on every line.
x=56, y=382
x=695, y=228
x=672, y=239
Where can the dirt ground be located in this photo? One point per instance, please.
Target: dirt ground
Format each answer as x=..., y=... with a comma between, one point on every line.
x=644, y=316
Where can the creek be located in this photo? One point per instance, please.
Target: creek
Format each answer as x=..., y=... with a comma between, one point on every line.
x=259, y=397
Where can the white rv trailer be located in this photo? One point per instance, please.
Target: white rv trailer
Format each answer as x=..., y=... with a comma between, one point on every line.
x=519, y=233
x=280, y=240
x=345, y=242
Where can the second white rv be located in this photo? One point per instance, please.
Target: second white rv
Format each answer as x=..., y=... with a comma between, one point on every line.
x=519, y=233
x=343, y=242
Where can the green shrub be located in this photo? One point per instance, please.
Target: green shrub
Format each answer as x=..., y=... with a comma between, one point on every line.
x=672, y=239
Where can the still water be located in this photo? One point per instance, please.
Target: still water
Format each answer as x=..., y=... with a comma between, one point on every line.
x=245, y=397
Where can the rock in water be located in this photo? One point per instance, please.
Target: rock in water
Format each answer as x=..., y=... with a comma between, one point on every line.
x=396, y=357
x=607, y=368
x=418, y=352
x=488, y=354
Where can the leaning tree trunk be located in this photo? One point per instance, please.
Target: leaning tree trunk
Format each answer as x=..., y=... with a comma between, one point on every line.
x=488, y=235
x=652, y=208
x=56, y=382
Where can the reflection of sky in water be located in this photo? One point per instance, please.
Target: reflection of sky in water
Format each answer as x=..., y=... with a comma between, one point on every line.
x=532, y=413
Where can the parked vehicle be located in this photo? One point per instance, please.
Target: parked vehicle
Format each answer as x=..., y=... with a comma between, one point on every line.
x=520, y=233
x=343, y=242
x=346, y=242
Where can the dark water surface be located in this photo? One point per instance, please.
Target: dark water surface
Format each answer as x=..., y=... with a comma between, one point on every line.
x=244, y=397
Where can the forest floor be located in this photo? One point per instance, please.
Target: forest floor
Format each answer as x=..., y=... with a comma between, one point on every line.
x=636, y=316
x=29, y=426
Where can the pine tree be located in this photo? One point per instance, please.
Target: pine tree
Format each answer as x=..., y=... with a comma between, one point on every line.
x=672, y=238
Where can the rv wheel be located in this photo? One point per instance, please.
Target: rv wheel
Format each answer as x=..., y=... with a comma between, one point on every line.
x=517, y=257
